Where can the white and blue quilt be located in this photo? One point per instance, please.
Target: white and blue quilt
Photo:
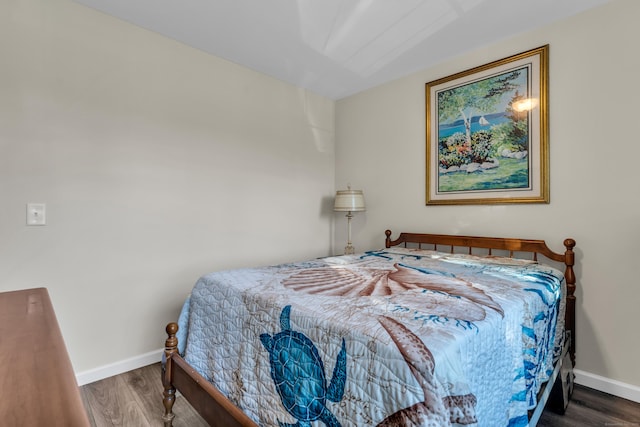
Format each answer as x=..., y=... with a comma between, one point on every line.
x=395, y=337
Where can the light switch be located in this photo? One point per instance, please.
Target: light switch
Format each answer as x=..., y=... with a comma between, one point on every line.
x=36, y=214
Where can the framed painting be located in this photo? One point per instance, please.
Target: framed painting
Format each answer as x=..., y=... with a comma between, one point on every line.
x=487, y=133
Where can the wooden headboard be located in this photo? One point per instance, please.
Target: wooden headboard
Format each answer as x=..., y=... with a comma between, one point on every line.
x=514, y=248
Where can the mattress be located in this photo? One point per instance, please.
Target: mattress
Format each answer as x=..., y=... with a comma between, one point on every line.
x=389, y=337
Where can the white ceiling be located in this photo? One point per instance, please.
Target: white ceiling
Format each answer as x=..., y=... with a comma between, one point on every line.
x=339, y=47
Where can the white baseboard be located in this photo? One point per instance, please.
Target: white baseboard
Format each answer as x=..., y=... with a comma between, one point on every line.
x=120, y=367
x=607, y=385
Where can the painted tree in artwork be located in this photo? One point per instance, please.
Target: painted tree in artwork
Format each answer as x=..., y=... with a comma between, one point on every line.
x=475, y=98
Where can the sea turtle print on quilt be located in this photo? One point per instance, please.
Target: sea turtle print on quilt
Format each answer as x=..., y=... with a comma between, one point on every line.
x=298, y=373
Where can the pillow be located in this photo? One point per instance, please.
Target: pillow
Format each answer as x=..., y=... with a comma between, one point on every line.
x=466, y=258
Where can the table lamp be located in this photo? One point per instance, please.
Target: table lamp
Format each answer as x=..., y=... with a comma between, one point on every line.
x=349, y=201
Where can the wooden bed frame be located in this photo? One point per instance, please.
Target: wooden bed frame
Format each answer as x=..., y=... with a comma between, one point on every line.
x=217, y=410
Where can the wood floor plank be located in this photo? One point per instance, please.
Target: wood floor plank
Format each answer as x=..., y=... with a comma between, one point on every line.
x=134, y=399
x=589, y=407
x=147, y=384
x=87, y=405
x=148, y=391
x=113, y=403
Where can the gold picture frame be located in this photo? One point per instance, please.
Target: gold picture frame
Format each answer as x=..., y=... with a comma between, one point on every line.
x=487, y=133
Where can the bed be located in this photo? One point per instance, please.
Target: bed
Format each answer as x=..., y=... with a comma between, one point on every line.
x=430, y=330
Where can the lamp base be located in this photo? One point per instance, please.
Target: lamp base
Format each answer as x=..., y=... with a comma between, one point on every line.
x=349, y=249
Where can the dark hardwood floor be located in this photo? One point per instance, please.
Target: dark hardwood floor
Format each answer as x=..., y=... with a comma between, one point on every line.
x=134, y=399
x=591, y=408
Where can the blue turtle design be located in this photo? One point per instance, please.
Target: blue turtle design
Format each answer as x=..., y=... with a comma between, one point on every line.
x=298, y=373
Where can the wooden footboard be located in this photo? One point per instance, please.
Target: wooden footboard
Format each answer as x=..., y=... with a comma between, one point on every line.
x=217, y=410
x=212, y=405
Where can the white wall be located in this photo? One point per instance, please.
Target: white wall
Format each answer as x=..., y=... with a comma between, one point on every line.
x=157, y=163
x=594, y=152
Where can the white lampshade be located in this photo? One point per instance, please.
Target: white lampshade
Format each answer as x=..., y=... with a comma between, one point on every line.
x=349, y=201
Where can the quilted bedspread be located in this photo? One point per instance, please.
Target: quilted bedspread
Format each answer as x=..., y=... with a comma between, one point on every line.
x=396, y=337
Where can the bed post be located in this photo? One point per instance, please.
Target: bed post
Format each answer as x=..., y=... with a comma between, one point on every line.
x=570, y=313
x=387, y=241
x=169, y=394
